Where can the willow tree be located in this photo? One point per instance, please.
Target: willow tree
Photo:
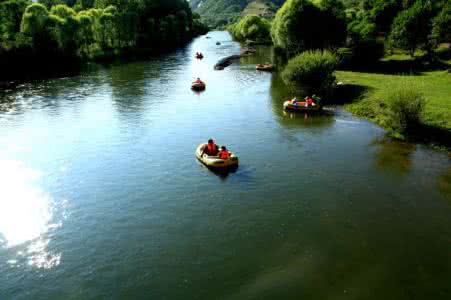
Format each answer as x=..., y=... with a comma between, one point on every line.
x=303, y=24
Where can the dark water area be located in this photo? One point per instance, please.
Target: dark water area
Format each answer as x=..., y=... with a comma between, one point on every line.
x=101, y=196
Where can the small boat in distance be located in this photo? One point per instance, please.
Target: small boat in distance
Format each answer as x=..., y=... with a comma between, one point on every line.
x=265, y=67
x=198, y=85
x=218, y=43
x=199, y=55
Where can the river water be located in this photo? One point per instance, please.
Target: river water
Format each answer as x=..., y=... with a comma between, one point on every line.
x=101, y=196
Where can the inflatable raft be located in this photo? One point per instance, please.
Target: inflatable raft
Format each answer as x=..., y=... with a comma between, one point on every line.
x=300, y=106
x=198, y=86
x=199, y=56
x=267, y=67
x=214, y=161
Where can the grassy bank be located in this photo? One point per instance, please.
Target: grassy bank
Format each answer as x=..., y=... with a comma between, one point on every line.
x=434, y=85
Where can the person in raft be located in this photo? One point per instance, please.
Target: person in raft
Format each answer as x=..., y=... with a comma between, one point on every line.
x=211, y=149
x=224, y=153
x=309, y=102
x=198, y=80
x=294, y=100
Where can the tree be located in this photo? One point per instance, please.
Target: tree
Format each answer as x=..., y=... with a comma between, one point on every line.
x=11, y=12
x=33, y=25
x=251, y=27
x=65, y=26
x=411, y=27
x=384, y=12
x=441, y=26
x=301, y=25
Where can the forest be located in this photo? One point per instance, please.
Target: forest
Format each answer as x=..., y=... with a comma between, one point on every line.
x=36, y=35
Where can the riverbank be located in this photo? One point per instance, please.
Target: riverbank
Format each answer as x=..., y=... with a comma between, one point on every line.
x=369, y=88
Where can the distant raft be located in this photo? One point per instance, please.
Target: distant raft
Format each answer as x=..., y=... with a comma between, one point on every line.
x=199, y=56
x=300, y=106
x=265, y=67
x=198, y=86
x=214, y=161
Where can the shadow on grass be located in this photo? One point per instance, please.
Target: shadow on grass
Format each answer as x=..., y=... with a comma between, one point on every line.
x=348, y=93
x=395, y=67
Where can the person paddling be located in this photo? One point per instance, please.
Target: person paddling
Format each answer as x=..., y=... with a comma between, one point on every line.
x=198, y=80
x=211, y=149
x=224, y=153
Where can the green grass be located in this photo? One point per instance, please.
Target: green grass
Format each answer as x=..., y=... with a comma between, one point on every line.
x=434, y=85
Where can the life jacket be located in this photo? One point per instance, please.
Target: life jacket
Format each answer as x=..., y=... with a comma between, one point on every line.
x=211, y=149
x=224, y=154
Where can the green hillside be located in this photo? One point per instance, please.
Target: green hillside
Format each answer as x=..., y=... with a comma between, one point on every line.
x=218, y=13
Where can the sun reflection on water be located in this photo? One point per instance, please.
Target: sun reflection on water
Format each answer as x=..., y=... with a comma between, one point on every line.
x=26, y=213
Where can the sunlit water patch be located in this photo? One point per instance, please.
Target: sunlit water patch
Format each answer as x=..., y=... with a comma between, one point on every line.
x=26, y=215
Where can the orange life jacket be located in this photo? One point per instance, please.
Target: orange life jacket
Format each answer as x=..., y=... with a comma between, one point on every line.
x=211, y=149
x=224, y=154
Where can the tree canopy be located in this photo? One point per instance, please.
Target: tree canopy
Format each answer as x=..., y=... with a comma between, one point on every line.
x=304, y=24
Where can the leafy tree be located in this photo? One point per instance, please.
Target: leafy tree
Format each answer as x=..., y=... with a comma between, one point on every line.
x=441, y=26
x=302, y=24
x=411, y=27
x=34, y=22
x=384, y=12
x=251, y=27
x=65, y=26
x=11, y=12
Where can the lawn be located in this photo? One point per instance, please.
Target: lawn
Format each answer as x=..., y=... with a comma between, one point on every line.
x=435, y=86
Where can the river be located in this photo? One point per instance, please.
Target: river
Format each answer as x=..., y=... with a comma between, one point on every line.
x=101, y=196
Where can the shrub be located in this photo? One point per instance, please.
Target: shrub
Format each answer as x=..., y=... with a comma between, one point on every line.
x=313, y=69
x=405, y=105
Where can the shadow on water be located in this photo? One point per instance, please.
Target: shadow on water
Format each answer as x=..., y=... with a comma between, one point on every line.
x=430, y=135
x=223, y=174
x=393, y=156
x=444, y=183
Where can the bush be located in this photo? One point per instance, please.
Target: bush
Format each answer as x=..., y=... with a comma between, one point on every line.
x=313, y=69
x=405, y=106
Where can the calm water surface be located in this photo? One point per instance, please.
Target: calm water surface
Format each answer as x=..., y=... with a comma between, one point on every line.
x=101, y=196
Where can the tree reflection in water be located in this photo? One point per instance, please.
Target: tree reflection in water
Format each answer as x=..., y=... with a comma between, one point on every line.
x=394, y=156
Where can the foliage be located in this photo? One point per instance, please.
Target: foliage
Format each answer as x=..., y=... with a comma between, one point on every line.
x=411, y=27
x=302, y=25
x=220, y=13
x=68, y=31
x=313, y=69
x=252, y=28
x=405, y=105
x=441, y=26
